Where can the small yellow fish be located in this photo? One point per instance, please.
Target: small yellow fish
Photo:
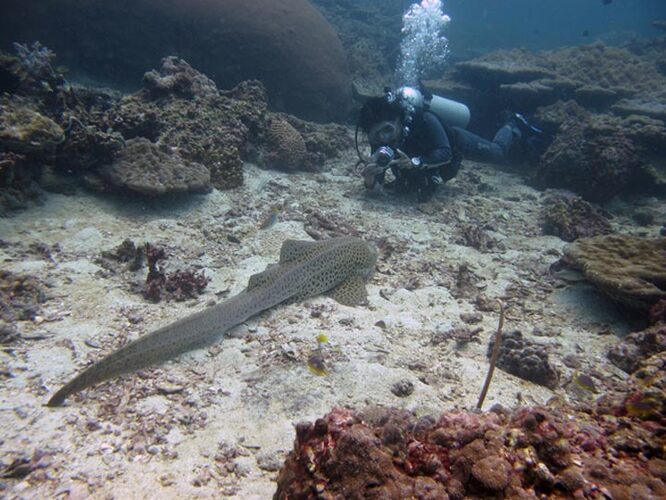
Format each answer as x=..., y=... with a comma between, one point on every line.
x=270, y=219
x=316, y=364
x=322, y=338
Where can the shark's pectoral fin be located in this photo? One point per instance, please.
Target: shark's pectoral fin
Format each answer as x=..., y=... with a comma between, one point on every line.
x=351, y=292
x=264, y=277
x=292, y=250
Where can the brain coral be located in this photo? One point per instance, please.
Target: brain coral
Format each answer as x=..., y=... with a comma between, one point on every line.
x=285, y=147
x=141, y=167
x=629, y=269
x=287, y=45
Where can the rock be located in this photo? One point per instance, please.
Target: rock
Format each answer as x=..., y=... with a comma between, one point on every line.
x=402, y=388
x=492, y=472
x=142, y=168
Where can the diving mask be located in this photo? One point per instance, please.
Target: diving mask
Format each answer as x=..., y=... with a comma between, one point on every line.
x=385, y=133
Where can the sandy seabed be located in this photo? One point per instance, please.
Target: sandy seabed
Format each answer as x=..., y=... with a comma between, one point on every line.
x=219, y=421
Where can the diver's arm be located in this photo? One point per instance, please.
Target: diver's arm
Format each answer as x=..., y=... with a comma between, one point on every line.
x=439, y=150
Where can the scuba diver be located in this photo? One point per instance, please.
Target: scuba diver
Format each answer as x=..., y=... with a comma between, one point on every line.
x=421, y=139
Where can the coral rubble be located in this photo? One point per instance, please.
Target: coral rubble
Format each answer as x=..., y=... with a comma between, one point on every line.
x=531, y=452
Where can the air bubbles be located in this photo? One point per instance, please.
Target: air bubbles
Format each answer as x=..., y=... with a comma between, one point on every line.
x=424, y=46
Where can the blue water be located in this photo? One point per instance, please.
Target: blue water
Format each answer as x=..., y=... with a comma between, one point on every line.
x=543, y=24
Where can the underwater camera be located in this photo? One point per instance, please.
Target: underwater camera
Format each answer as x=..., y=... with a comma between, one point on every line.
x=383, y=156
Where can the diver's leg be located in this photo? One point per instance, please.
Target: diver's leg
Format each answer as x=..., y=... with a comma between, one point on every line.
x=477, y=148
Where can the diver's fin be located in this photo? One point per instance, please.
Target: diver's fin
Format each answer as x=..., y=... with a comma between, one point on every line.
x=293, y=250
x=264, y=277
x=351, y=292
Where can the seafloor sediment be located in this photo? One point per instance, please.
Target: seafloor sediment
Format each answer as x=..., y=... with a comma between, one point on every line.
x=221, y=421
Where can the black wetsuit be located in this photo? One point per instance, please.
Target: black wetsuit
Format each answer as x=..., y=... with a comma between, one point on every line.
x=441, y=150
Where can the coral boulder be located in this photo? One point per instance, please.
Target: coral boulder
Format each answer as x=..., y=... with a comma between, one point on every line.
x=287, y=45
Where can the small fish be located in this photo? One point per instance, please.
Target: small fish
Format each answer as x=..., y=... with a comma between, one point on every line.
x=606, y=2
x=270, y=219
x=317, y=364
x=584, y=382
x=322, y=338
x=586, y=33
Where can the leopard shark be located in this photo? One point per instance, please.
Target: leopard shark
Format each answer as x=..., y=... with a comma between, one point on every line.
x=339, y=267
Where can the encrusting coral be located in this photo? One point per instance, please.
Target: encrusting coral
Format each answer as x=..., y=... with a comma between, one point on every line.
x=630, y=269
x=141, y=167
x=569, y=217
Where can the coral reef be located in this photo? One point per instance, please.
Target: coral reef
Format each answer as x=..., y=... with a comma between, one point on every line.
x=636, y=347
x=284, y=146
x=322, y=141
x=630, y=269
x=505, y=67
x=218, y=127
x=141, y=167
x=18, y=181
x=595, y=76
x=370, y=34
x=531, y=452
x=590, y=158
x=286, y=45
x=177, y=77
x=24, y=130
x=525, y=359
x=569, y=217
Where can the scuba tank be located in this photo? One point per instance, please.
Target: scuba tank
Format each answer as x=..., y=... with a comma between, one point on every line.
x=449, y=112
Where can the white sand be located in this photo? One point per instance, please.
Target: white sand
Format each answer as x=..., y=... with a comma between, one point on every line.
x=229, y=424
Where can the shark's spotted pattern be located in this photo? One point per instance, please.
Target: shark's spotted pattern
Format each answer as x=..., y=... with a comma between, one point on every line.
x=338, y=265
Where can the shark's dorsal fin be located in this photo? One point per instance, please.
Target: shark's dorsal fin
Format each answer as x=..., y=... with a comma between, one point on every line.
x=264, y=277
x=293, y=250
x=351, y=292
